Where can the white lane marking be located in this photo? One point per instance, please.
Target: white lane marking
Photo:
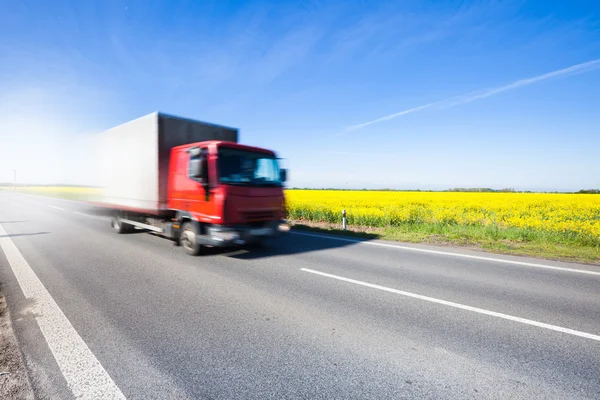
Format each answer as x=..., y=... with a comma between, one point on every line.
x=446, y=253
x=460, y=306
x=58, y=208
x=92, y=216
x=35, y=202
x=84, y=374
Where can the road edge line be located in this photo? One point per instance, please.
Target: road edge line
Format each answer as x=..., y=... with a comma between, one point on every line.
x=84, y=374
x=447, y=253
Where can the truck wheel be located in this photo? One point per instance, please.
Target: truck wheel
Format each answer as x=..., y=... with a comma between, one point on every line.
x=189, y=239
x=119, y=226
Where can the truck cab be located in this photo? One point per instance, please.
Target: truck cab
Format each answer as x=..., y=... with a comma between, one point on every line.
x=225, y=193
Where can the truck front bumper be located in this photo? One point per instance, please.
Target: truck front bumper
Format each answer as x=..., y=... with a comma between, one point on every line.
x=231, y=236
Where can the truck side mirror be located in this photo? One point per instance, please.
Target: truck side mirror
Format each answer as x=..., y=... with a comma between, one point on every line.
x=283, y=175
x=198, y=168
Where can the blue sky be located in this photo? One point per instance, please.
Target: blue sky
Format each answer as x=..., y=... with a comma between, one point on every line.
x=304, y=77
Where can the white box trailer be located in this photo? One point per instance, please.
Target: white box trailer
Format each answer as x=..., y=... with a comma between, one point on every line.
x=134, y=158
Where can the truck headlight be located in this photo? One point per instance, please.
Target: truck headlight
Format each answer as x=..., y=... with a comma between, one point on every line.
x=284, y=227
x=225, y=235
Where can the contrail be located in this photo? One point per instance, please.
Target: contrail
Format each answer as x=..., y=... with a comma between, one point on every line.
x=469, y=97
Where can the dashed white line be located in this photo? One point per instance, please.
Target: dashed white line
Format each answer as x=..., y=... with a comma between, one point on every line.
x=58, y=208
x=35, y=202
x=84, y=374
x=460, y=306
x=38, y=196
x=447, y=253
x=92, y=216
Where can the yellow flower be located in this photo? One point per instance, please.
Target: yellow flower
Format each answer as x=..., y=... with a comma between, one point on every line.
x=564, y=213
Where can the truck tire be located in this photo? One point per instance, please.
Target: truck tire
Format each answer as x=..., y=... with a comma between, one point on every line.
x=189, y=239
x=119, y=226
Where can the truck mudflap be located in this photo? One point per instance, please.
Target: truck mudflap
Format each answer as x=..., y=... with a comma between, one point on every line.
x=231, y=236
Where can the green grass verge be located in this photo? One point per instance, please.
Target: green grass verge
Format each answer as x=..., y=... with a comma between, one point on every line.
x=512, y=241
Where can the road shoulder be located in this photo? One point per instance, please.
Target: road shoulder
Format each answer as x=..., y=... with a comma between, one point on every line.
x=14, y=382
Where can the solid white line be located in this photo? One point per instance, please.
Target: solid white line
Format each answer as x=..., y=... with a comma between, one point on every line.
x=84, y=374
x=446, y=253
x=58, y=208
x=460, y=306
x=92, y=216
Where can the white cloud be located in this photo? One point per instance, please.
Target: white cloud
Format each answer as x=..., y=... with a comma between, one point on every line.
x=470, y=97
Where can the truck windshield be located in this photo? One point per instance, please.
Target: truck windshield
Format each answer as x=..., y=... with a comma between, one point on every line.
x=247, y=168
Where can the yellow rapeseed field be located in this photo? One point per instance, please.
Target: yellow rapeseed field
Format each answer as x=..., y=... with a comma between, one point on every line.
x=564, y=214
x=577, y=214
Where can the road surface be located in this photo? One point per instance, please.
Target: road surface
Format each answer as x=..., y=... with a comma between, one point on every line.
x=101, y=315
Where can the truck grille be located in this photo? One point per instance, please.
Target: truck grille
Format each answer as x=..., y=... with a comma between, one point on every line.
x=262, y=215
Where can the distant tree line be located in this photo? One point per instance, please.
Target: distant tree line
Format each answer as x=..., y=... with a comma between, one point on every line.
x=479, y=190
x=415, y=190
x=506, y=190
x=362, y=190
x=490, y=190
x=589, y=191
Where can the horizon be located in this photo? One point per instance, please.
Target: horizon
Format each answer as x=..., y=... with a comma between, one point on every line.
x=7, y=185
x=355, y=95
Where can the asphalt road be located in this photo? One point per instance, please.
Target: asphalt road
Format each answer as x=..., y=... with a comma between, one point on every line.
x=307, y=317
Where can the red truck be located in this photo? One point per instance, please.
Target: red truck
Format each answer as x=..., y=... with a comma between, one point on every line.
x=191, y=182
